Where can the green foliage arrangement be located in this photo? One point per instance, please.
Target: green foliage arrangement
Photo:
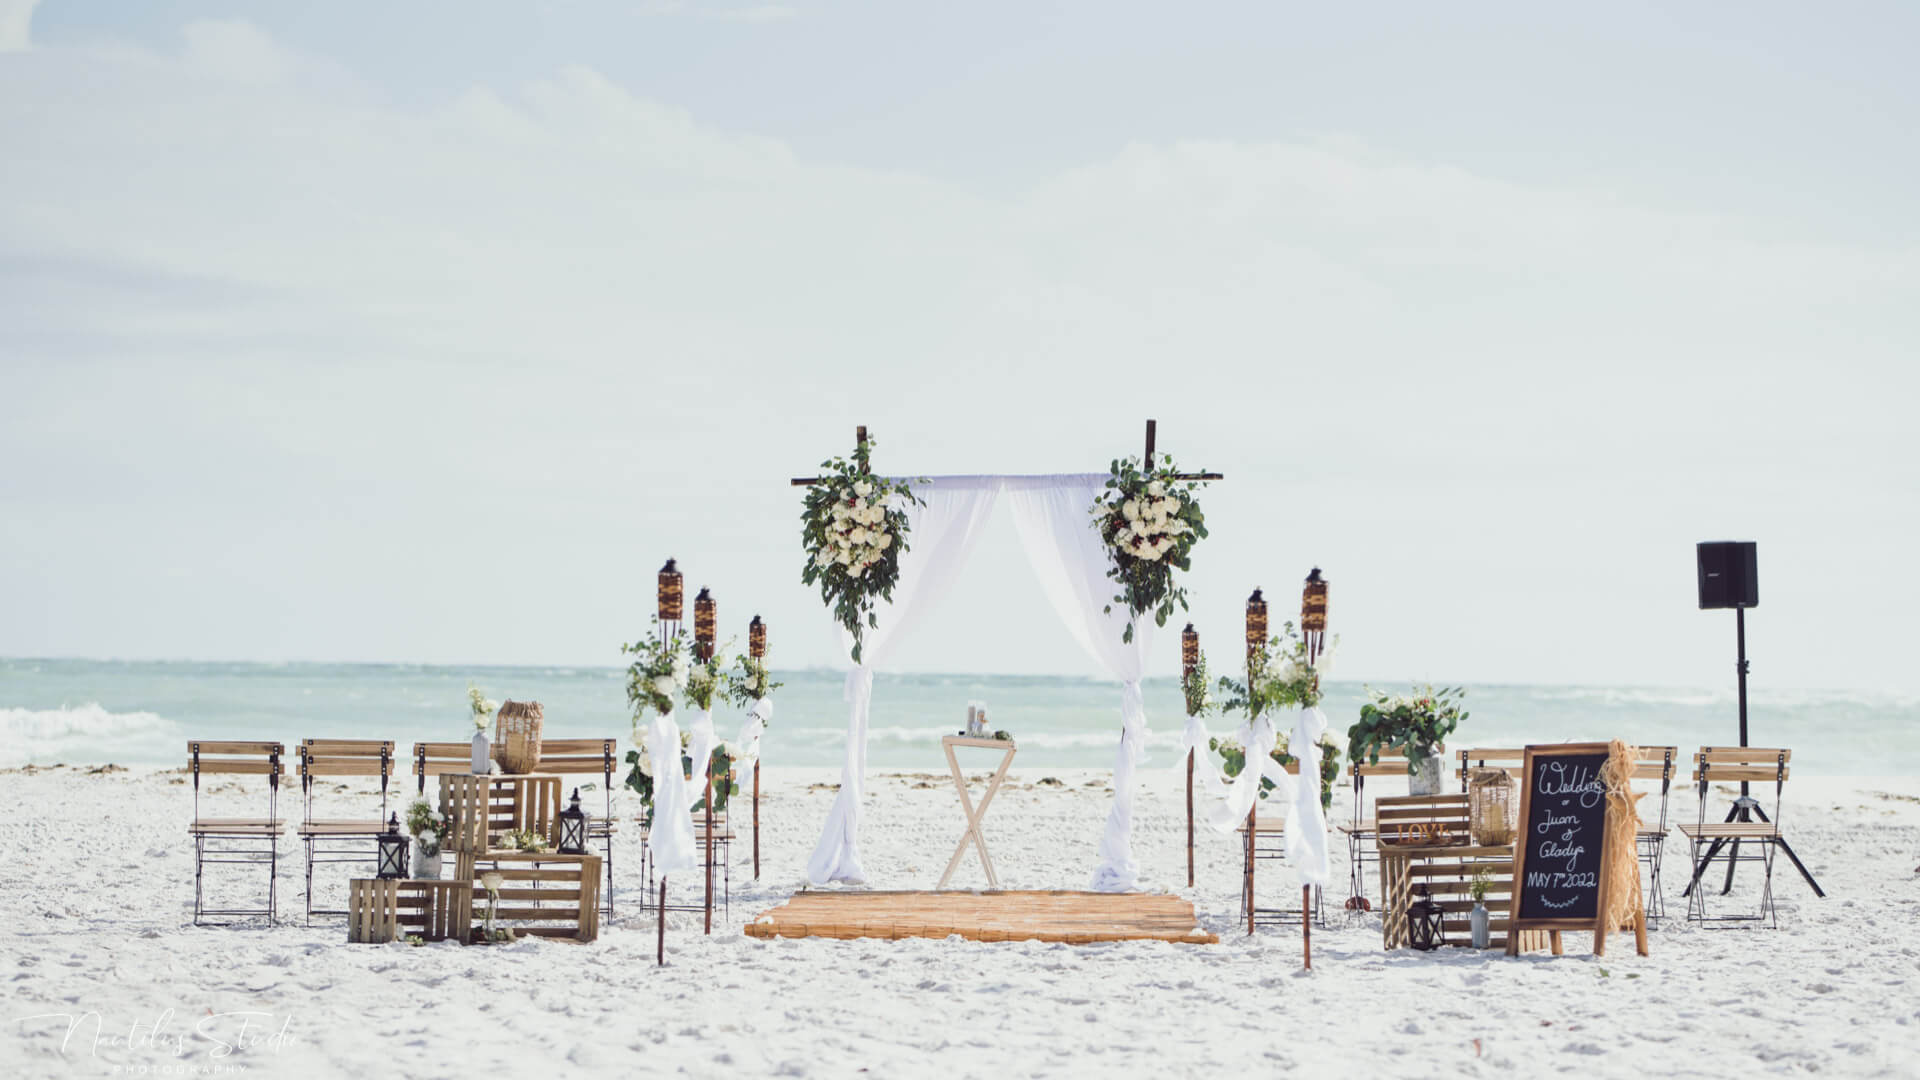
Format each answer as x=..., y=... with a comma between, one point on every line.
x=748, y=681
x=1414, y=723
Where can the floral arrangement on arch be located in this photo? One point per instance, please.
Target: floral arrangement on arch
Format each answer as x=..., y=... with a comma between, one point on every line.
x=1415, y=723
x=1150, y=520
x=853, y=528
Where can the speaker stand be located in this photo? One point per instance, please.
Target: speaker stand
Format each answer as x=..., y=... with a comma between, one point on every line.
x=1746, y=807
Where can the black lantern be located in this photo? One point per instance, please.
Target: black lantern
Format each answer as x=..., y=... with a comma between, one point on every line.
x=393, y=851
x=1426, y=923
x=573, y=828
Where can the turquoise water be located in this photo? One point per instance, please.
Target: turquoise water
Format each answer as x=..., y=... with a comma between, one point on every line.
x=86, y=711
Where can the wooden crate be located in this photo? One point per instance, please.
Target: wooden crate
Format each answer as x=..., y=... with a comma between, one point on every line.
x=544, y=894
x=480, y=809
x=389, y=909
x=1447, y=875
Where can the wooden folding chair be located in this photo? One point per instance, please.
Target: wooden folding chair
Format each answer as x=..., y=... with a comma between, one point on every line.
x=341, y=840
x=1364, y=829
x=1269, y=842
x=242, y=841
x=1513, y=762
x=587, y=757
x=1656, y=763
x=1735, y=764
x=438, y=758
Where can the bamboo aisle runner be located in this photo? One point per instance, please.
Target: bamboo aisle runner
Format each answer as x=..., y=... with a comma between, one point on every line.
x=1077, y=918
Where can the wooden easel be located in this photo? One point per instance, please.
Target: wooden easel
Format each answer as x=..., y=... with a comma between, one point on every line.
x=1524, y=842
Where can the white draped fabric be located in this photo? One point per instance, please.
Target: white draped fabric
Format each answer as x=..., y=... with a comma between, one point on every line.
x=670, y=838
x=1307, y=832
x=1194, y=737
x=1064, y=544
x=700, y=742
x=748, y=747
x=940, y=536
x=1244, y=791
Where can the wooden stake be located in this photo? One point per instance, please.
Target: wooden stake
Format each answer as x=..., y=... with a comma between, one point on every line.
x=709, y=904
x=1250, y=822
x=1306, y=924
x=756, y=819
x=662, y=909
x=1190, y=818
x=1151, y=425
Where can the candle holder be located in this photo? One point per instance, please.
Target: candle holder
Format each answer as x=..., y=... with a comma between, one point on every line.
x=1256, y=628
x=757, y=639
x=670, y=593
x=1313, y=615
x=1189, y=651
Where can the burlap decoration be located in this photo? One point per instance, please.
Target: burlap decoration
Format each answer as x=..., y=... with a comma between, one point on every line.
x=516, y=736
x=1623, y=826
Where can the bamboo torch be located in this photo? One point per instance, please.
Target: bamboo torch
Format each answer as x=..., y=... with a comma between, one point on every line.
x=1256, y=641
x=1189, y=660
x=757, y=649
x=669, y=597
x=705, y=627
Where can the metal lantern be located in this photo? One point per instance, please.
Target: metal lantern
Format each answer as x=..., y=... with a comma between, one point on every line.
x=1313, y=614
x=392, y=862
x=705, y=625
x=757, y=638
x=1256, y=625
x=573, y=828
x=670, y=594
x=1189, y=651
x=1426, y=923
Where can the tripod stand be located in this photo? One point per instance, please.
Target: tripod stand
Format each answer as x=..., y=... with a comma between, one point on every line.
x=1746, y=807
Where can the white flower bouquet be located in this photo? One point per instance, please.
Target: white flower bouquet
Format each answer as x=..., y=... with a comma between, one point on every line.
x=853, y=529
x=1150, y=521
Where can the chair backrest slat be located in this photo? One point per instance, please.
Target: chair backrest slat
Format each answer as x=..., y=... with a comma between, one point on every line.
x=1741, y=764
x=237, y=758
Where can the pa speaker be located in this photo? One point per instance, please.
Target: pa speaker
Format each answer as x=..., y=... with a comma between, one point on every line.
x=1729, y=574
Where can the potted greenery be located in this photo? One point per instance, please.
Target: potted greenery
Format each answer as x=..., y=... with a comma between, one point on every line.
x=1479, y=921
x=1416, y=724
x=430, y=830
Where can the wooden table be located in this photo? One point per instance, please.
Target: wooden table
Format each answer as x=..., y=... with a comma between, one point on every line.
x=481, y=808
x=950, y=743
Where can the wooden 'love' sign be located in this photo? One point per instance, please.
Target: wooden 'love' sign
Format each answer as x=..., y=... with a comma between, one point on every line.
x=1562, y=852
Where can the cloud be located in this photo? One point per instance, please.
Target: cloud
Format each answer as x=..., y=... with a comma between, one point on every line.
x=318, y=342
x=16, y=25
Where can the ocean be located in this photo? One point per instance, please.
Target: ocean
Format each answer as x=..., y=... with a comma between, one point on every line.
x=142, y=713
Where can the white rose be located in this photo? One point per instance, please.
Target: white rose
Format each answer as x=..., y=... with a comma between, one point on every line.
x=1156, y=489
x=825, y=557
x=663, y=684
x=1130, y=510
x=857, y=537
x=843, y=558
x=839, y=512
x=860, y=571
x=862, y=488
x=886, y=541
x=1149, y=553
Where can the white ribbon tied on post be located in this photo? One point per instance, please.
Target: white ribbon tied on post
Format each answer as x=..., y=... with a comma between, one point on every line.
x=1307, y=832
x=700, y=744
x=671, y=837
x=750, y=732
x=1244, y=791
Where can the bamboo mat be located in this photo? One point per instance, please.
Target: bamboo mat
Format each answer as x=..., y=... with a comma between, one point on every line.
x=1077, y=918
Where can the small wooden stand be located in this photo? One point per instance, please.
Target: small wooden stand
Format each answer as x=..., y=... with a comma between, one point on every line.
x=974, y=816
x=480, y=808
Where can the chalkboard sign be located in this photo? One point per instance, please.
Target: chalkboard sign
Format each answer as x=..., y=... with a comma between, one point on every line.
x=1560, y=857
x=1565, y=804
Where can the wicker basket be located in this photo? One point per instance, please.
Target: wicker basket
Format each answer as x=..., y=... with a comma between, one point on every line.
x=1492, y=812
x=516, y=736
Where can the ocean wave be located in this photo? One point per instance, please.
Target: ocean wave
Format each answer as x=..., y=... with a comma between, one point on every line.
x=89, y=731
x=1043, y=740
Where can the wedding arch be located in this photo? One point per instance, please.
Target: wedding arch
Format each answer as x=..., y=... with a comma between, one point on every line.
x=1070, y=557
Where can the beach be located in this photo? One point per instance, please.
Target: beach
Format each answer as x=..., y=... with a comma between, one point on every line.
x=108, y=977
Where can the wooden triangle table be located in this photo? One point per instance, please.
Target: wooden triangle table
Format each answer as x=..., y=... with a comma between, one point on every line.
x=974, y=816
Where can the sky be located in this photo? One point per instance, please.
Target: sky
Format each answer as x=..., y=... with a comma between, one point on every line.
x=385, y=333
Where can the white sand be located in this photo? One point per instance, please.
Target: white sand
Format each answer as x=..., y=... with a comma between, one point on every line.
x=98, y=923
